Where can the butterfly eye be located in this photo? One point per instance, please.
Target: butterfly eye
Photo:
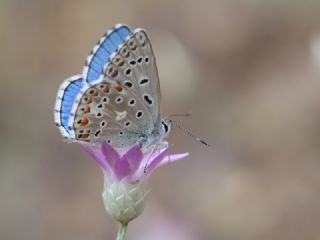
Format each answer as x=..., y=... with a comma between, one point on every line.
x=165, y=126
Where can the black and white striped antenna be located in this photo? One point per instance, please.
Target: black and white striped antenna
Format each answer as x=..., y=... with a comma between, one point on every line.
x=188, y=133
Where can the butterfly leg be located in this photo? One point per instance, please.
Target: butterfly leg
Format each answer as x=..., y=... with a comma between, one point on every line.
x=154, y=148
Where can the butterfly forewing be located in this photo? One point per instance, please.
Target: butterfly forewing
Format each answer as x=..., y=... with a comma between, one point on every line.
x=134, y=66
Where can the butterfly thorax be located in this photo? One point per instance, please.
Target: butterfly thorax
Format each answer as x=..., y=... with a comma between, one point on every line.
x=155, y=136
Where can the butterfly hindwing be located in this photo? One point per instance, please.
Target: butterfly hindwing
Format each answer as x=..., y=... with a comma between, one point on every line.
x=109, y=112
x=65, y=101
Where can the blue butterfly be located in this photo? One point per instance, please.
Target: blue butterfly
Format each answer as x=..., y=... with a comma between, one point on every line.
x=117, y=97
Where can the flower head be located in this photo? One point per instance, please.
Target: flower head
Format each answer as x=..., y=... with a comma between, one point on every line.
x=125, y=172
x=130, y=165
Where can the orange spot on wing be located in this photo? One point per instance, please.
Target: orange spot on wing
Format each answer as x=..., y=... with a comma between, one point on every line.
x=114, y=73
x=107, y=89
x=86, y=100
x=84, y=121
x=118, y=88
x=86, y=110
x=93, y=92
x=85, y=135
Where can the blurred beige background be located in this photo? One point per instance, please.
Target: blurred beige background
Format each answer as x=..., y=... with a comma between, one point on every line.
x=249, y=70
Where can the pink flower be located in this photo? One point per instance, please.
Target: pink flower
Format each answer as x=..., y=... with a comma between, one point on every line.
x=132, y=165
x=125, y=191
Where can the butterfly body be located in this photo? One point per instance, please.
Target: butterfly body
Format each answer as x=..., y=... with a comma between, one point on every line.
x=117, y=96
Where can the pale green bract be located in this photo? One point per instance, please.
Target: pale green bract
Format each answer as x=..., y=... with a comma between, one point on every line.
x=124, y=201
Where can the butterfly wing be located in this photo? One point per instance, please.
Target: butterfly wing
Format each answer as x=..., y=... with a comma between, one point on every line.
x=134, y=65
x=65, y=100
x=109, y=112
x=118, y=98
x=102, y=51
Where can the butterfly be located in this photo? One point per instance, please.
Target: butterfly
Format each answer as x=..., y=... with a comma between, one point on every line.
x=117, y=97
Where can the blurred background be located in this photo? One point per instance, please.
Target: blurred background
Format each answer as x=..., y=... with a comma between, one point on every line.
x=248, y=70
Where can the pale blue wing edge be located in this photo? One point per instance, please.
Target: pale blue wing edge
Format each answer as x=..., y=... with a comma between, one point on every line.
x=65, y=101
x=103, y=50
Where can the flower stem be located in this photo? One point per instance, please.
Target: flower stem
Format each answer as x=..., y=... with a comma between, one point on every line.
x=122, y=231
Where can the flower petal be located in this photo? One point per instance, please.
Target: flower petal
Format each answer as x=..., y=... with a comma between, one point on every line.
x=121, y=168
x=96, y=154
x=128, y=163
x=111, y=155
x=172, y=158
x=134, y=156
x=157, y=160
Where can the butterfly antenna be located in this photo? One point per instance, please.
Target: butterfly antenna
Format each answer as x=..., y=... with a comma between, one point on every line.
x=187, y=114
x=190, y=134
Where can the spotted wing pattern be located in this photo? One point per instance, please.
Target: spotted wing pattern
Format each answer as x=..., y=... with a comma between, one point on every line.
x=134, y=66
x=117, y=97
x=110, y=112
